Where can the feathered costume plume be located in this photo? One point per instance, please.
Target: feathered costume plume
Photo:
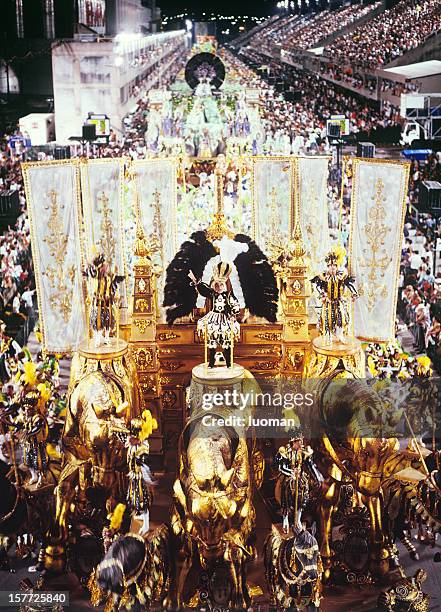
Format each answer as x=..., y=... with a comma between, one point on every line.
x=179, y=294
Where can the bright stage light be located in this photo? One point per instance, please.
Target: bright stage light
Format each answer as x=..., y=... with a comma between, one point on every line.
x=127, y=37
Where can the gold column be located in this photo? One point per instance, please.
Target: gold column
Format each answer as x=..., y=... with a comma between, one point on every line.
x=143, y=337
x=295, y=293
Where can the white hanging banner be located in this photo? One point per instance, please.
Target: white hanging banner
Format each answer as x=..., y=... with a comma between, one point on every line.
x=53, y=201
x=378, y=207
x=312, y=189
x=102, y=187
x=155, y=182
x=273, y=201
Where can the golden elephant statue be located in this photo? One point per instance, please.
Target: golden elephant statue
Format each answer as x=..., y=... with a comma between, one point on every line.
x=93, y=476
x=356, y=449
x=213, y=515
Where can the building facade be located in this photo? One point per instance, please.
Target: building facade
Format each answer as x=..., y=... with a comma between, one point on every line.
x=105, y=77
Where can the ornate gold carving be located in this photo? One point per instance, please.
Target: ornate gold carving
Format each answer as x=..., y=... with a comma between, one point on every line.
x=142, y=285
x=218, y=227
x=266, y=365
x=165, y=380
x=149, y=386
x=271, y=336
x=297, y=250
x=273, y=235
x=296, y=287
x=57, y=241
x=311, y=226
x=172, y=365
x=142, y=305
x=295, y=358
x=379, y=259
x=166, y=336
x=143, y=358
x=167, y=351
x=107, y=241
x=296, y=324
x=157, y=235
x=142, y=324
x=296, y=305
x=118, y=367
x=270, y=350
x=169, y=399
x=143, y=250
x=296, y=271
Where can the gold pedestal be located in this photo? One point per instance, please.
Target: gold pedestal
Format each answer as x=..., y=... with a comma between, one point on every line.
x=212, y=390
x=113, y=359
x=327, y=357
x=218, y=376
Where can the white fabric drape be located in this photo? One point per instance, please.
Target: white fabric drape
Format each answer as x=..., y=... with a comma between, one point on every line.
x=156, y=190
x=53, y=200
x=376, y=231
x=273, y=200
x=313, y=208
x=102, y=185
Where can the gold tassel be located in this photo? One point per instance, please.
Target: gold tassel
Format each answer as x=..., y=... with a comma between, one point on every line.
x=139, y=594
x=97, y=595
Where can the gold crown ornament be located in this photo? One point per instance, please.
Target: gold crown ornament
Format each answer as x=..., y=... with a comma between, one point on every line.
x=221, y=272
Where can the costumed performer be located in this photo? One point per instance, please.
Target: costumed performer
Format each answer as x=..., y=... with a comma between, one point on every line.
x=334, y=286
x=102, y=289
x=219, y=326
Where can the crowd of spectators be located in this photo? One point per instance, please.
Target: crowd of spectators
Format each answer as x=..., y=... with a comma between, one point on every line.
x=16, y=272
x=306, y=31
x=315, y=101
x=419, y=303
x=398, y=88
x=362, y=82
x=392, y=33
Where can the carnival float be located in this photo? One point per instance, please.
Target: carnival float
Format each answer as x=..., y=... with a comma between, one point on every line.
x=219, y=340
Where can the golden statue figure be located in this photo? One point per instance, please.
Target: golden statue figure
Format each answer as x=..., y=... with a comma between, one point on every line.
x=102, y=288
x=334, y=286
x=219, y=326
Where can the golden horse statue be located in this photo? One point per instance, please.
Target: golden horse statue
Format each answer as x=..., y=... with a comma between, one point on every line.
x=293, y=570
